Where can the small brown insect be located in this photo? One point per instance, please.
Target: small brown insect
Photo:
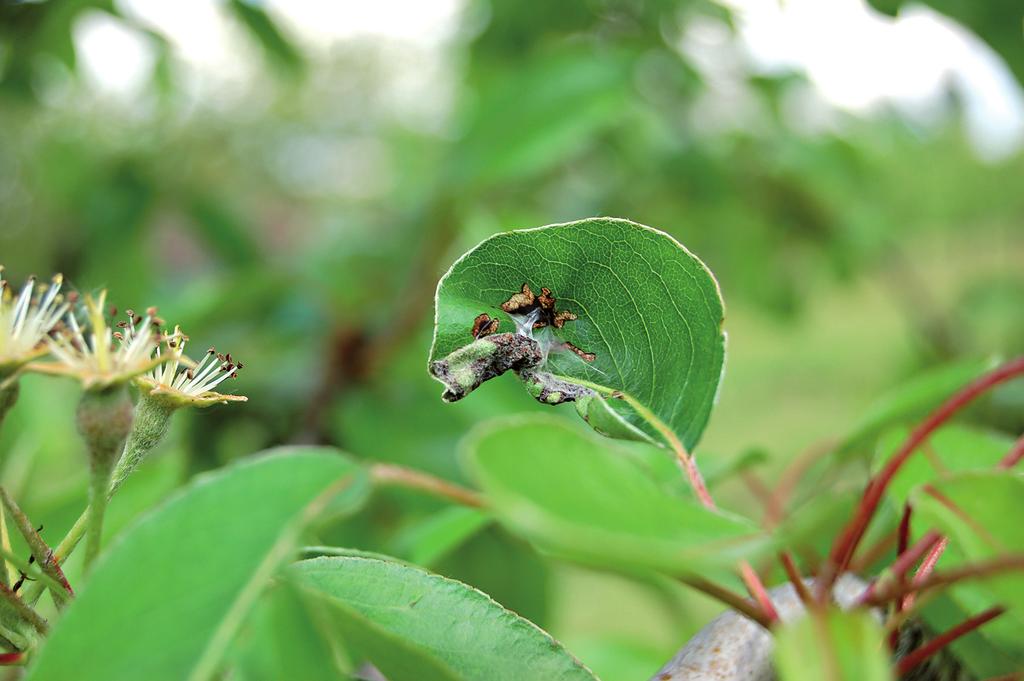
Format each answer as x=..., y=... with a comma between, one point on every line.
x=484, y=325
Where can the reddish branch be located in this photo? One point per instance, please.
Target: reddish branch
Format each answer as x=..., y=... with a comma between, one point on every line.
x=757, y=591
x=883, y=593
x=1016, y=454
x=749, y=576
x=936, y=644
x=795, y=579
x=846, y=544
x=925, y=570
x=733, y=600
x=904, y=562
x=400, y=476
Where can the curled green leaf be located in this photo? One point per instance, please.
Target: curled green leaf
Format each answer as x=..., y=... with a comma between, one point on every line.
x=601, y=307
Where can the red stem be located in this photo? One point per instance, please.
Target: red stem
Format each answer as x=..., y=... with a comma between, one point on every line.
x=928, y=564
x=1016, y=454
x=893, y=590
x=904, y=562
x=758, y=592
x=735, y=601
x=846, y=543
x=923, y=571
x=750, y=578
x=944, y=639
x=696, y=479
x=794, y=577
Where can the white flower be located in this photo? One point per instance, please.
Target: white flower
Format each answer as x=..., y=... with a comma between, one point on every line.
x=183, y=382
x=26, y=320
x=97, y=355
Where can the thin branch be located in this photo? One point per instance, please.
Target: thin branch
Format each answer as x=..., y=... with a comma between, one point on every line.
x=41, y=552
x=795, y=579
x=846, y=544
x=742, y=605
x=400, y=476
x=747, y=573
x=700, y=489
x=682, y=455
x=910, y=661
x=924, y=570
x=892, y=590
x=756, y=588
x=753, y=583
x=1015, y=454
x=903, y=563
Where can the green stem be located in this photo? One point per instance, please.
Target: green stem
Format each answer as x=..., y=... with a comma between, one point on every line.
x=104, y=421
x=152, y=420
x=99, y=483
x=400, y=476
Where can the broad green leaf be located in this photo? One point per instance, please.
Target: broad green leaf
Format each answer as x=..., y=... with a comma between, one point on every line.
x=647, y=308
x=168, y=597
x=832, y=646
x=952, y=449
x=283, y=639
x=980, y=513
x=911, y=400
x=574, y=495
x=415, y=626
x=507, y=569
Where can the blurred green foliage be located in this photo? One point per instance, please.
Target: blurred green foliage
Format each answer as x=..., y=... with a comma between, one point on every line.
x=301, y=217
